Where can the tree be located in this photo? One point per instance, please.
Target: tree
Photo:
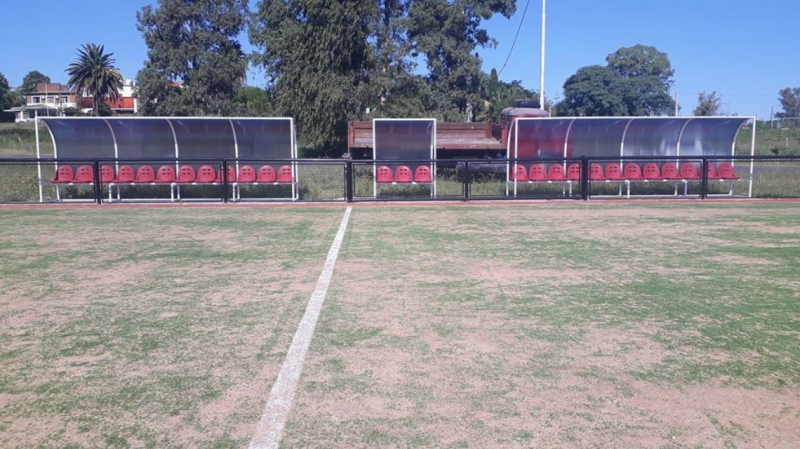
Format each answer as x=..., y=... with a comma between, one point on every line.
x=707, y=104
x=195, y=63
x=447, y=34
x=498, y=95
x=635, y=81
x=93, y=73
x=30, y=81
x=317, y=58
x=593, y=91
x=255, y=101
x=647, y=73
x=641, y=61
x=790, y=102
x=6, y=100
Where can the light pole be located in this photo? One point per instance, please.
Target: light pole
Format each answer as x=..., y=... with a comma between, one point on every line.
x=541, y=73
x=771, y=114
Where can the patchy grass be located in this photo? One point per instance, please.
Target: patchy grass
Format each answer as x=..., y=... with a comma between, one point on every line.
x=149, y=327
x=586, y=325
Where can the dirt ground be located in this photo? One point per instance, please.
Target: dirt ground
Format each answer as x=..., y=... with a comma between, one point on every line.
x=580, y=325
x=422, y=342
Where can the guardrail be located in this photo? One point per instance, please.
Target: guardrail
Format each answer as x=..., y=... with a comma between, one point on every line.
x=29, y=180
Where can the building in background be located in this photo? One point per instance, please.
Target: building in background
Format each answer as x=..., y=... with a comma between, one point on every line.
x=54, y=99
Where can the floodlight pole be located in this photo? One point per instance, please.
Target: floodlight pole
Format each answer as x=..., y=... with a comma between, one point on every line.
x=541, y=73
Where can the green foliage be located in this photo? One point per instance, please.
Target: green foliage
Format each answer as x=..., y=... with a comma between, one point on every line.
x=447, y=34
x=635, y=81
x=75, y=112
x=641, y=61
x=30, y=81
x=707, y=104
x=331, y=62
x=195, y=63
x=6, y=100
x=593, y=91
x=790, y=102
x=255, y=101
x=316, y=54
x=498, y=95
x=93, y=73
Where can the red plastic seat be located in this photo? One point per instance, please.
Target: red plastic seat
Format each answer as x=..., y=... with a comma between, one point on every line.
x=519, y=173
x=247, y=173
x=106, y=174
x=231, y=174
x=206, y=173
x=186, y=174
x=726, y=171
x=266, y=173
x=613, y=171
x=384, y=174
x=651, y=171
x=574, y=172
x=403, y=174
x=712, y=172
x=689, y=171
x=64, y=174
x=633, y=171
x=145, y=173
x=126, y=173
x=84, y=174
x=165, y=174
x=670, y=171
x=285, y=174
x=537, y=173
x=596, y=172
x=423, y=174
x=556, y=173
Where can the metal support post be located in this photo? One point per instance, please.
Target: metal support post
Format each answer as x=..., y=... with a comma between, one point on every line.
x=348, y=181
x=225, y=182
x=704, y=179
x=98, y=191
x=467, y=180
x=584, y=178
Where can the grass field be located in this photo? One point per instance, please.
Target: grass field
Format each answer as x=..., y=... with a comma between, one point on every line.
x=547, y=325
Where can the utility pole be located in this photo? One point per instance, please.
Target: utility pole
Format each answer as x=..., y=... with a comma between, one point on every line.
x=676, y=103
x=541, y=73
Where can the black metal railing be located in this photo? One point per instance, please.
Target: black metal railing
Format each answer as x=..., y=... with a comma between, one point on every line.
x=28, y=180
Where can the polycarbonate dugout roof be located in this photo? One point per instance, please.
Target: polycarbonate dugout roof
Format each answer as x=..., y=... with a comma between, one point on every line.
x=610, y=137
x=172, y=137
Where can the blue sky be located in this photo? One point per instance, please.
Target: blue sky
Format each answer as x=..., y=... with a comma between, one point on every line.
x=744, y=50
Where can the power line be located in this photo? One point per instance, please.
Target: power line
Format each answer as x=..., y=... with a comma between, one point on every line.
x=515, y=37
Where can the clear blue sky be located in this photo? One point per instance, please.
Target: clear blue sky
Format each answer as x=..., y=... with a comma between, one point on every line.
x=744, y=50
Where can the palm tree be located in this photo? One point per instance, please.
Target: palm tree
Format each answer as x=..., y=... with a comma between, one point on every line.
x=93, y=73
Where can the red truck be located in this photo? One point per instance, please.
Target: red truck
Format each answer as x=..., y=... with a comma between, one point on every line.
x=456, y=139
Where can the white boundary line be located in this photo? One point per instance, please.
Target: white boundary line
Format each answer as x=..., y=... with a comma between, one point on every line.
x=279, y=403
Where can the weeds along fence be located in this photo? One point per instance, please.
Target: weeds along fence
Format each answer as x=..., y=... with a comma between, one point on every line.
x=47, y=180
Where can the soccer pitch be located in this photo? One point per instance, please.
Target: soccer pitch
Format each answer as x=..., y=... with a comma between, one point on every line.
x=516, y=325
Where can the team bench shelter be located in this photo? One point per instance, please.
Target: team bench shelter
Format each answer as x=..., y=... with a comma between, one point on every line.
x=624, y=150
x=174, y=151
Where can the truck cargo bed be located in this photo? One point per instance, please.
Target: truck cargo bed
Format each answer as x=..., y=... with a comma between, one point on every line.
x=450, y=136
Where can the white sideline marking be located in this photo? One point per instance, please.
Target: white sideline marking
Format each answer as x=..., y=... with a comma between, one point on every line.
x=270, y=427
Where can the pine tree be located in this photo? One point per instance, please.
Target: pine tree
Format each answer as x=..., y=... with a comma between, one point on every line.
x=195, y=62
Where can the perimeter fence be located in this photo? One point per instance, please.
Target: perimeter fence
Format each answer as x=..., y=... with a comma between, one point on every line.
x=45, y=180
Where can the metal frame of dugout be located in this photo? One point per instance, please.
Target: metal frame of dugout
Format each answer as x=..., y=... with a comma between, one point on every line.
x=188, y=139
x=617, y=139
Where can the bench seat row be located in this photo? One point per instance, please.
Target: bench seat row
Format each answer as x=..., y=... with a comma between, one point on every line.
x=403, y=175
x=167, y=174
x=613, y=172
